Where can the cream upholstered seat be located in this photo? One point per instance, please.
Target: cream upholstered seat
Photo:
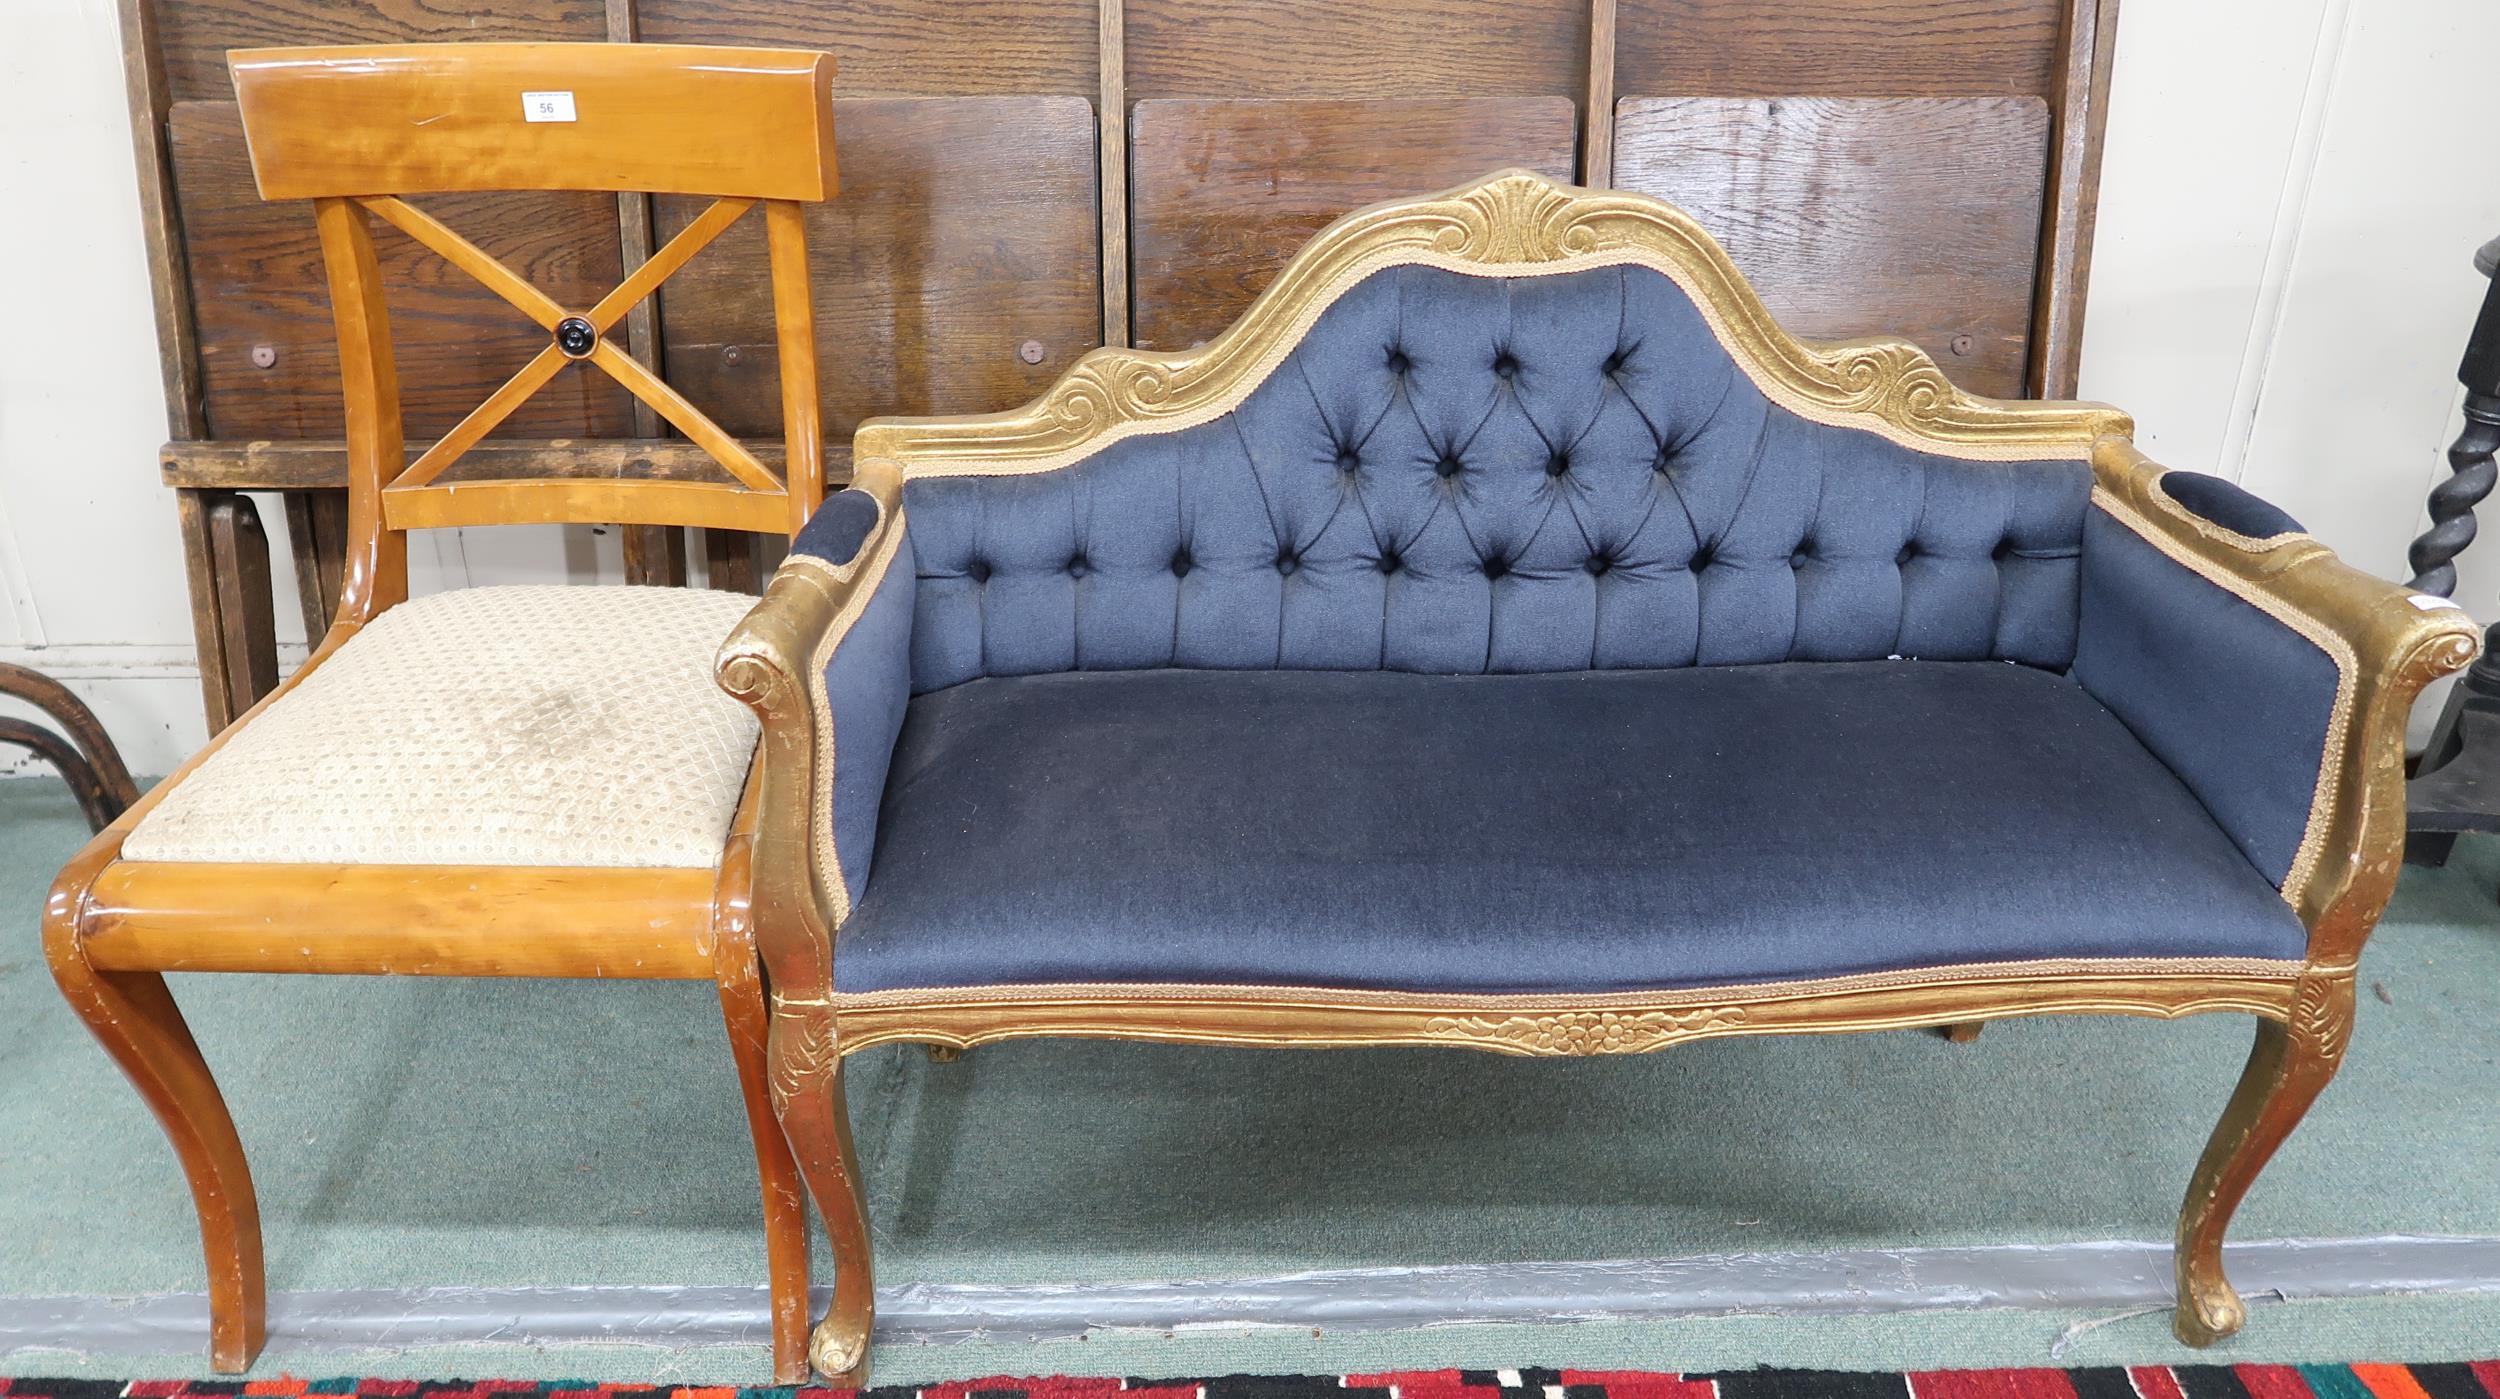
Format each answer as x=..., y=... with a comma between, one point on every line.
x=554, y=726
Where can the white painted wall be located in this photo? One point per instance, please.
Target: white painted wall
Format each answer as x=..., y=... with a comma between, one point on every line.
x=89, y=556
x=2291, y=193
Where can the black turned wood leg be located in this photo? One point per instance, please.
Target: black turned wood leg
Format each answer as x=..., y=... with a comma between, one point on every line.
x=2457, y=786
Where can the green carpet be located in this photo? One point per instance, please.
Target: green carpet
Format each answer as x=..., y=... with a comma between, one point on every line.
x=408, y=1132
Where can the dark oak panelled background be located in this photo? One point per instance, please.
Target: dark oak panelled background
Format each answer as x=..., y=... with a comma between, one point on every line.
x=1026, y=179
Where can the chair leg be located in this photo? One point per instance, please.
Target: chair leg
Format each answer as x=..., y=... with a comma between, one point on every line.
x=2287, y=1067
x=134, y=1017
x=807, y=1092
x=748, y=1015
x=1964, y=1031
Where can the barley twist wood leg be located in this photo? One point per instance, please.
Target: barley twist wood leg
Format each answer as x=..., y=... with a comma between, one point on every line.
x=807, y=1093
x=2287, y=1067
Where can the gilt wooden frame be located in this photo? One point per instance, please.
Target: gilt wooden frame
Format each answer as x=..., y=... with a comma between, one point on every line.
x=1516, y=223
x=342, y=127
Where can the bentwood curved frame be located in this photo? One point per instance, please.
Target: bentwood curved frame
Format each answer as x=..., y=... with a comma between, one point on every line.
x=352, y=129
x=1516, y=223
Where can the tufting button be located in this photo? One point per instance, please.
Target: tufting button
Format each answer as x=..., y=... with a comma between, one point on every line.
x=1399, y=363
x=1286, y=563
x=2004, y=548
x=1598, y=564
x=1390, y=562
x=978, y=570
x=1614, y=362
x=1908, y=552
x=1701, y=558
x=1504, y=366
x=1446, y=468
x=1495, y=568
x=1557, y=464
x=1660, y=464
x=1347, y=461
x=1181, y=563
x=1078, y=567
x=1804, y=551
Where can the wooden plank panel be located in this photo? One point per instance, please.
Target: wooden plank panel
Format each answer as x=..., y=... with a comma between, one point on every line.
x=257, y=283
x=309, y=464
x=1915, y=217
x=904, y=47
x=1597, y=110
x=1111, y=152
x=2081, y=118
x=1729, y=48
x=964, y=233
x=1223, y=192
x=316, y=523
x=177, y=343
x=1380, y=48
x=197, y=33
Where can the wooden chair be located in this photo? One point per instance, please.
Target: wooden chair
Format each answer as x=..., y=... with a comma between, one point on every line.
x=491, y=781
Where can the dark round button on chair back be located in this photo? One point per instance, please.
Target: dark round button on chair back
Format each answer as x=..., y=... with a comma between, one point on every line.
x=576, y=337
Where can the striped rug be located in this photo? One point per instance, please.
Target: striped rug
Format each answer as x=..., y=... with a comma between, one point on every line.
x=2477, y=1380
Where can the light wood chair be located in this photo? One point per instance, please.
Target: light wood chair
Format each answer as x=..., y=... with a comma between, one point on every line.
x=493, y=781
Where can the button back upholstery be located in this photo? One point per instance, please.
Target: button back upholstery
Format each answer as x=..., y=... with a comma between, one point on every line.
x=1456, y=473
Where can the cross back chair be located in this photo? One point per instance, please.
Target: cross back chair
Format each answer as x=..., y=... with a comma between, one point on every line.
x=494, y=781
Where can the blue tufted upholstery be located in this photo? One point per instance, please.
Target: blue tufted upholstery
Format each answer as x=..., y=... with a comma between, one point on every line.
x=1465, y=474
x=866, y=676
x=1454, y=477
x=2238, y=704
x=1561, y=832
x=2224, y=503
x=834, y=533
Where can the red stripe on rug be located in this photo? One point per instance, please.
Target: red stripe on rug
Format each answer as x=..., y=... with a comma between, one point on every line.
x=2155, y=1382
x=2282, y=1382
x=1422, y=1384
x=1642, y=1384
x=1032, y=1386
x=1990, y=1384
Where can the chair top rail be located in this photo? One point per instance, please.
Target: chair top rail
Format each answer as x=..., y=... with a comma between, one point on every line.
x=427, y=118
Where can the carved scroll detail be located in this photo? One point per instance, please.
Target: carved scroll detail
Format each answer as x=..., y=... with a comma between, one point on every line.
x=1588, y=1032
x=805, y=1055
x=1510, y=224
x=2322, y=1016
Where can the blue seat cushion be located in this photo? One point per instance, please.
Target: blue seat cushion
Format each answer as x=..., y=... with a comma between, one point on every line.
x=1560, y=832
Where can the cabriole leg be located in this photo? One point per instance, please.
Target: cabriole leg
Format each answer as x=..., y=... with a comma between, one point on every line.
x=2287, y=1067
x=134, y=1017
x=748, y=1016
x=807, y=1092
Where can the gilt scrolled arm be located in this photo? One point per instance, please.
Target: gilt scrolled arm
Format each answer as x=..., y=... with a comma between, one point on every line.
x=824, y=659
x=2273, y=678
